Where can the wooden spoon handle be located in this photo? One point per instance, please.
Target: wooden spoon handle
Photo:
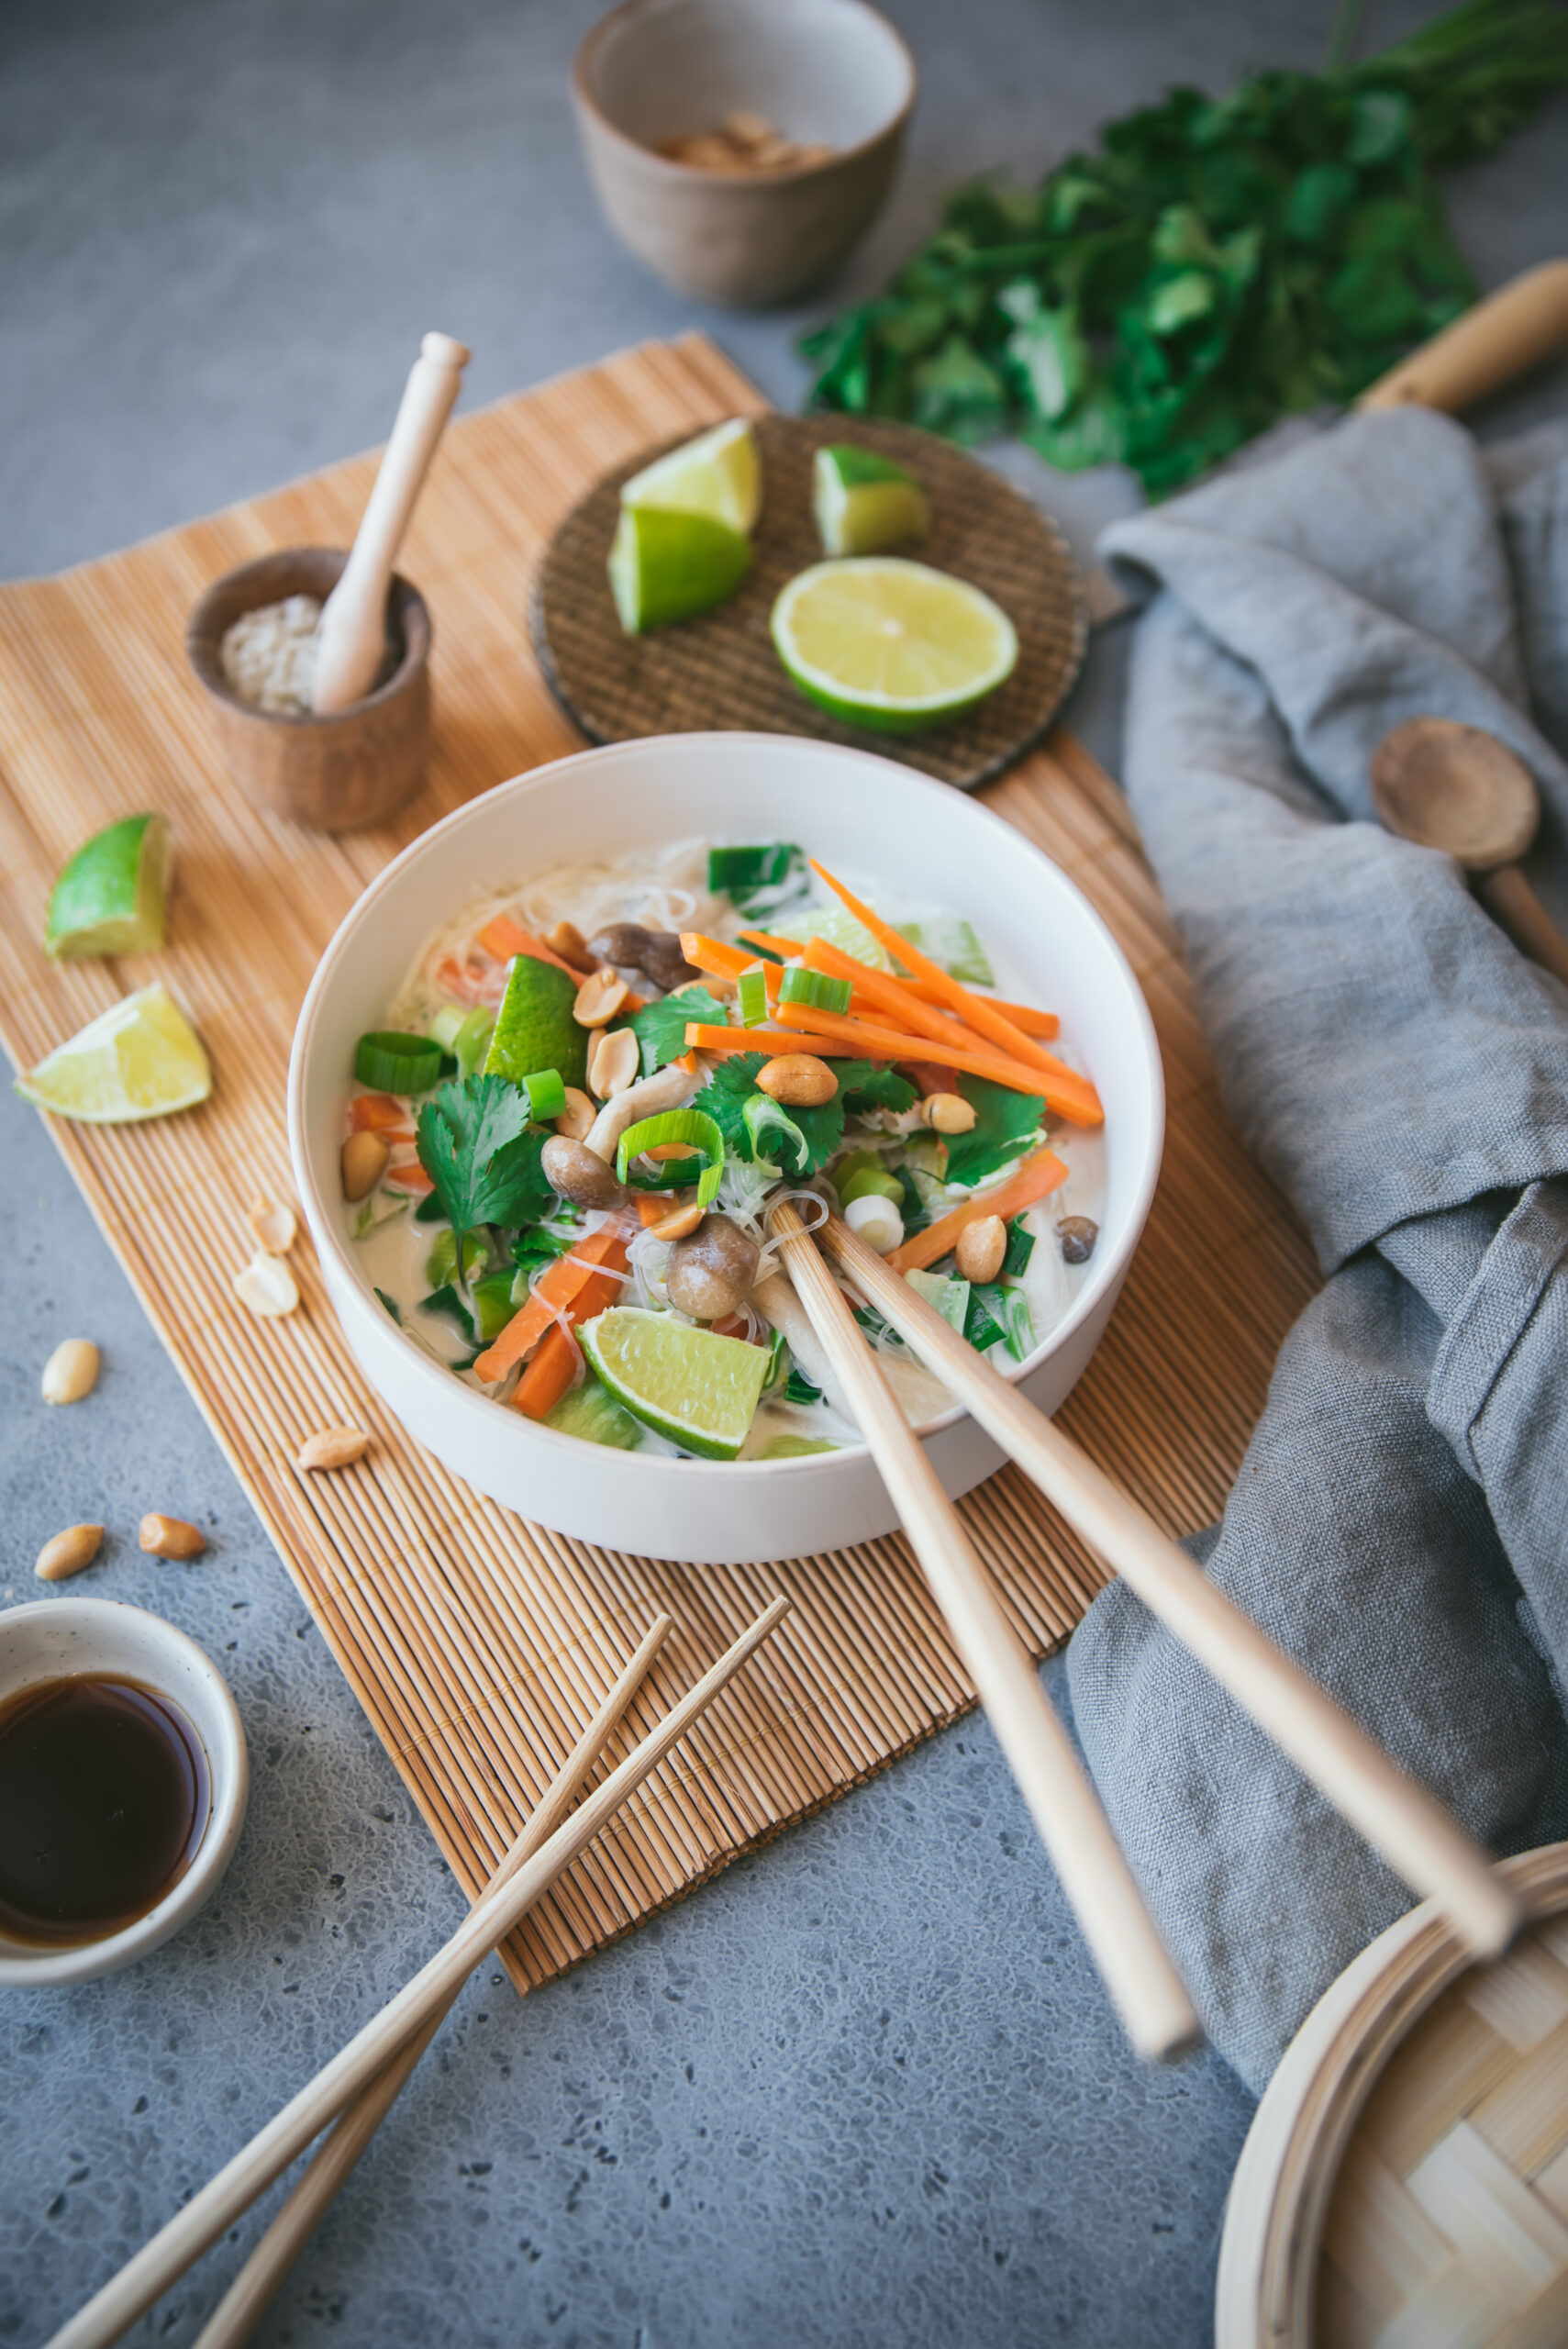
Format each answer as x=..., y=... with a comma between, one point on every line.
x=1512, y=332
x=1098, y=1883
x=1510, y=899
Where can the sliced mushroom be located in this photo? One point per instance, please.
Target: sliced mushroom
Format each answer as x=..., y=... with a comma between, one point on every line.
x=655, y=953
x=709, y=1274
x=579, y=1174
x=775, y=1297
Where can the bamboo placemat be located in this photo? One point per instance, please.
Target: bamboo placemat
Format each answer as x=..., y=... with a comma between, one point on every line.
x=722, y=671
x=477, y=1644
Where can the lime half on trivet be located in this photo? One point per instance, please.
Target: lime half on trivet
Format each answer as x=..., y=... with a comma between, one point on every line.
x=109, y=898
x=719, y=474
x=139, y=1059
x=667, y=566
x=864, y=502
x=699, y=1390
x=892, y=645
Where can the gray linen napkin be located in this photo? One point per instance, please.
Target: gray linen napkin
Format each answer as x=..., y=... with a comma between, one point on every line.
x=1401, y=1520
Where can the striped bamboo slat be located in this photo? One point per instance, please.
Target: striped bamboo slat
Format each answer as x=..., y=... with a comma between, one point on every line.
x=479, y=1645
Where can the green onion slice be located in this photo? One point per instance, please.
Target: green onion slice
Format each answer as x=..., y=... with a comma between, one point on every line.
x=815, y=989
x=675, y=1125
x=472, y=1042
x=391, y=1062
x=447, y=1025
x=751, y=988
x=547, y=1095
x=764, y=1118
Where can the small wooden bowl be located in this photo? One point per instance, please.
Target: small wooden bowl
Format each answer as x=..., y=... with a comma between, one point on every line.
x=334, y=773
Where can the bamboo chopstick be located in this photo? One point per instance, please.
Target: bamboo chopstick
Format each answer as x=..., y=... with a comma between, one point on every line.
x=1095, y=1878
x=251, y=2292
x=153, y=2268
x=1412, y=1831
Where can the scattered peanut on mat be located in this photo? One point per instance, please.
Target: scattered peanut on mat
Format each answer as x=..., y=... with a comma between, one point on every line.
x=171, y=1537
x=275, y=1227
x=267, y=1285
x=334, y=1448
x=71, y=1372
x=68, y=1551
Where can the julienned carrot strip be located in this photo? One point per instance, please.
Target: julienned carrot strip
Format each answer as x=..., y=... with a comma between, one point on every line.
x=974, y=1008
x=1022, y=1015
x=768, y=1040
x=1043, y=1173
x=549, y=1374
x=503, y=938
x=553, y=1293
x=412, y=1179
x=688, y=1061
x=722, y=962
x=377, y=1113
x=880, y=1043
x=894, y=998
x=653, y=1206
x=900, y=996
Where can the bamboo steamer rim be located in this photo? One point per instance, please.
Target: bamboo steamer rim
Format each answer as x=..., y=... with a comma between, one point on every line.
x=1283, y=2190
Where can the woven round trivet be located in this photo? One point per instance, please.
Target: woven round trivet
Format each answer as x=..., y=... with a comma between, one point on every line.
x=1405, y=2181
x=720, y=671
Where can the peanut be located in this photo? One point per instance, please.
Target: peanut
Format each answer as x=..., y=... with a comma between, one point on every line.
x=599, y=998
x=798, y=1081
x=71, y=1372
x=334, y=1448
x=273, y=1226
x=364, y=1163
x=981, y=1248
x=68, y=1552
x=677, y=1223
x=171, y=1537
x=577, y=1118
x=267, y=1286
x=567, y=940
x=948, y=1113
x=613, y=1062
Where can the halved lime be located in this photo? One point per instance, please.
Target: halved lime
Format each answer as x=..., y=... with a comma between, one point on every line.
x=698, y=1390
x=109, y=897
x=669, y=566
x=719, y=474
x=534, y=1028
x=890, y=644
x=863, y=501
x=139, y=1059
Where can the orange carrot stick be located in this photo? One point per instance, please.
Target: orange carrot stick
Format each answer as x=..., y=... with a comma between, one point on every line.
x=377, y=1113
x=553, y=1293
x=722, y=962
x=770, y=1040
x=412, y=1179
x=549, y=1374
x=1043, y=1173
x=974, y=1008
x=503, y=938
x=889, y=1043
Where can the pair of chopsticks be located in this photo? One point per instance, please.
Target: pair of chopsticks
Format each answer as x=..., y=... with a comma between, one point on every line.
x=1421, y=1840
x=362, y=2080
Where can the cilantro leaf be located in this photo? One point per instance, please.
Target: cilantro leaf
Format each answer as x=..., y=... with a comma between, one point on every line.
x=1005, y=1124
x=758, y=879
x=865, y=1087
x=725, y=1098
x=477, y=1147
x=661, y=1027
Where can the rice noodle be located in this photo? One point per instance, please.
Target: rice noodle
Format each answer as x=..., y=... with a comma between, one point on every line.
x=769, y=1260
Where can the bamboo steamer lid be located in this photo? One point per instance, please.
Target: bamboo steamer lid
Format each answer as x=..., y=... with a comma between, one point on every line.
x=1405, y=2181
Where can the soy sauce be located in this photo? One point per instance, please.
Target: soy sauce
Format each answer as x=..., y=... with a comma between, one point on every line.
x=104, y=1800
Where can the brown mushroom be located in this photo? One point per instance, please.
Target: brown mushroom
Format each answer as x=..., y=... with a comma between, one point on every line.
x=579, y=1174
x=656, y=953
x=1077, y=1234
x=709, y=1274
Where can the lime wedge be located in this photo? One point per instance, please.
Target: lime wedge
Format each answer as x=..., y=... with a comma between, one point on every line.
x=719, y=474
x=839, y=928
x=534, y=1028
x=666, y=567
x=863, y=501
x=890, y=644
x=139, y=1059
x=109, y=897
x=698, y=1390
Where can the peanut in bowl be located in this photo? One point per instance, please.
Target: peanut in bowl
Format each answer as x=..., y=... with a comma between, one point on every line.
x=625, y=810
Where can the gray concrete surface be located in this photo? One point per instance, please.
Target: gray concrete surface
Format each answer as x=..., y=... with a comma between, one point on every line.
x=863, y=2092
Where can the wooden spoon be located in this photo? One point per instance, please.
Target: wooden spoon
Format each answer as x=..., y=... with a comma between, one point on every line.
x=352, y=633
x=1458, y=789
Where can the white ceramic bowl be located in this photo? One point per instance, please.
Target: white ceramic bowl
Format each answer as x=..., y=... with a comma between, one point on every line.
x=854, y=811
x=58, y=1637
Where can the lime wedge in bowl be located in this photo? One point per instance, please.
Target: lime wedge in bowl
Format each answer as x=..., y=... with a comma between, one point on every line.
x=719, y=474
x=698, y=1390
x=889, y=644
x=109, y=897
x=139, y=1059
x=863, y=501
x=534, y=1028
x=667, y=566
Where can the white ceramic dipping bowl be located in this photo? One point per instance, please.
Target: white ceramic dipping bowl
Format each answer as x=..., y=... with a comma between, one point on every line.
x=56, y=1638
x=861, y=814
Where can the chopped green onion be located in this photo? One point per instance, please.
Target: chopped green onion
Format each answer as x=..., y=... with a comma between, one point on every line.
x=983, y=1327
x=778, y=1362
x=451, y=1306
x=757, y=947
x=494, y=1304
x=751, y=989
x=673, y=1125
x=868, y=1181
x=440, y=1264
x=756, y=879
x=1020, y=1247
x=447, y=1025
x=815, y=989
x=1020, y=1327
x=913, y=1210
x=547, y=1095
x=950, y=1297
x=800, y=1390
x=391, y=1061
x=472, y=1042
x=762, y=1115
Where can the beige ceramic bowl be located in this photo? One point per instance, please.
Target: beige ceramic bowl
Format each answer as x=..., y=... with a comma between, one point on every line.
x=334, y=773
x=823, y=72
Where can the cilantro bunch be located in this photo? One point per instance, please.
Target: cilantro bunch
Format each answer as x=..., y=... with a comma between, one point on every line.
x=1214, y=265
